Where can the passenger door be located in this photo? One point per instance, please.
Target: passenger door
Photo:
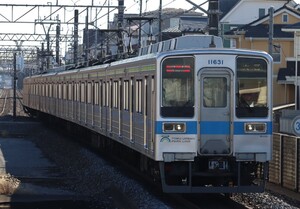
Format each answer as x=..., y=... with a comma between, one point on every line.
x=215, y=111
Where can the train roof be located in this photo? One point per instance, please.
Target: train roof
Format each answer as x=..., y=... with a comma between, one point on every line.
x=179, y=45
x=183, y=42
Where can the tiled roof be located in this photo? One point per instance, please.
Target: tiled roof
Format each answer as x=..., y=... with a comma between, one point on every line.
x=262, y=31
x=174, y=29
x=294, y=26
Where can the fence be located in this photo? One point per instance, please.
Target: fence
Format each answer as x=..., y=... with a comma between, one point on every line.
x=284, y=169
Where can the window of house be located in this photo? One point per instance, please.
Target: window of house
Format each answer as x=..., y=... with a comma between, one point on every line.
x=285, y=18
x=232, y=43
x=261, y=12
x=276, y=53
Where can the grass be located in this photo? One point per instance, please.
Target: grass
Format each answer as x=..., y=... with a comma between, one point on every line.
x=8, y=184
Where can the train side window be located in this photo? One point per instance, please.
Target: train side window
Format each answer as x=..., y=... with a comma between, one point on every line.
x=138, y=93
x=60, y=91
x=115, y=94
x=82, y=92
x=56, y=91
x=96, y=94
x=50, y=90
x=145, y=95
x=107, y=94
x=89, y=93
x=120, y=97
x=110, y=98
x=101, y=93
x=53, y=90
x=77, y=92
x=46, y=90
x=65, y=91
x=131, y=95
x=70, y=89
x=126, y=95
x=73, y=91
x=104, y=94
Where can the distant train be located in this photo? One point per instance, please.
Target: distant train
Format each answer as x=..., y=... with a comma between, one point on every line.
x=203, y=115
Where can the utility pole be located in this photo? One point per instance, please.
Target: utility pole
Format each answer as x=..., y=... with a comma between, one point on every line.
x=159, y=21
x=57, y=44
x=213, y=17
x=86, y=42
x=15, y=86
x=75, y=36
x=120, y=27
x=140, y=24
x=271, y=24
x=108, y=27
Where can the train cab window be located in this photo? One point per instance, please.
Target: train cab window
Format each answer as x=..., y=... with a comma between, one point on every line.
x=252, y=89
x=177, y=87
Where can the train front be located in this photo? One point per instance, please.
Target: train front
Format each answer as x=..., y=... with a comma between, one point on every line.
x=214, y=121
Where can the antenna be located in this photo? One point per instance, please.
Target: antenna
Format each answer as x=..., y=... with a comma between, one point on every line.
x=212, y=43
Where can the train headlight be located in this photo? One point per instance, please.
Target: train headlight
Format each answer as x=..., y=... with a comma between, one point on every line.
x=255, y=127
x=174, y=127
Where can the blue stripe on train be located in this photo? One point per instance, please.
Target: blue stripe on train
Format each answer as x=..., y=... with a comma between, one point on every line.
x=211, y=127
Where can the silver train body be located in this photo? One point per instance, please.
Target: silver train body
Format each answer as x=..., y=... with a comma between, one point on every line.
x=203, y=114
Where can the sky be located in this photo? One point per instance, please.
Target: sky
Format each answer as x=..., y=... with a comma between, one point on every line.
x=34, y=15
x=131, y=6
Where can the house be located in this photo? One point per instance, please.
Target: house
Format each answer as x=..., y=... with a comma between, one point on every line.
x=244, y=12
x=255, y=35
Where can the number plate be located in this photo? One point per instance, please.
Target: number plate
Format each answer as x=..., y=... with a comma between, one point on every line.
x=217, y=165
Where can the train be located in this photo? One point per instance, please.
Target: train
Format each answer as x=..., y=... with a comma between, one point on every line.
x=198, y=112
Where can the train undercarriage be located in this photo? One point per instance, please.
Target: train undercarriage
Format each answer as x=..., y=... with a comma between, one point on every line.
x=223, y=177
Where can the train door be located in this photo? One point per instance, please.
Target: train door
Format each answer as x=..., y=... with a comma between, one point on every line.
x=215, y=111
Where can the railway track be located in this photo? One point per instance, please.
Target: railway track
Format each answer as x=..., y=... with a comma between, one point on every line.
x=4, y=94
x=7, y=100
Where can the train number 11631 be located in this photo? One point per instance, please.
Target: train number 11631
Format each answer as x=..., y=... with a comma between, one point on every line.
x=215, y=62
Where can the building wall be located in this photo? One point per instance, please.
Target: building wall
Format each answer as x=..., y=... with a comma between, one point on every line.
x=247, y=11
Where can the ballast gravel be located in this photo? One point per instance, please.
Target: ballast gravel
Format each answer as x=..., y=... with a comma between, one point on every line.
x=91, y=177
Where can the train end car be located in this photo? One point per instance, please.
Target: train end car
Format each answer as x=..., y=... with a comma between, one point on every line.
x=214, y=121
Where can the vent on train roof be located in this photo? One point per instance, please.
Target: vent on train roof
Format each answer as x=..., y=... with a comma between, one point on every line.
x=183, y=42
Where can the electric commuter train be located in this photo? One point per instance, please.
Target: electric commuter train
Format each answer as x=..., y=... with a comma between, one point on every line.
x=202, y=114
